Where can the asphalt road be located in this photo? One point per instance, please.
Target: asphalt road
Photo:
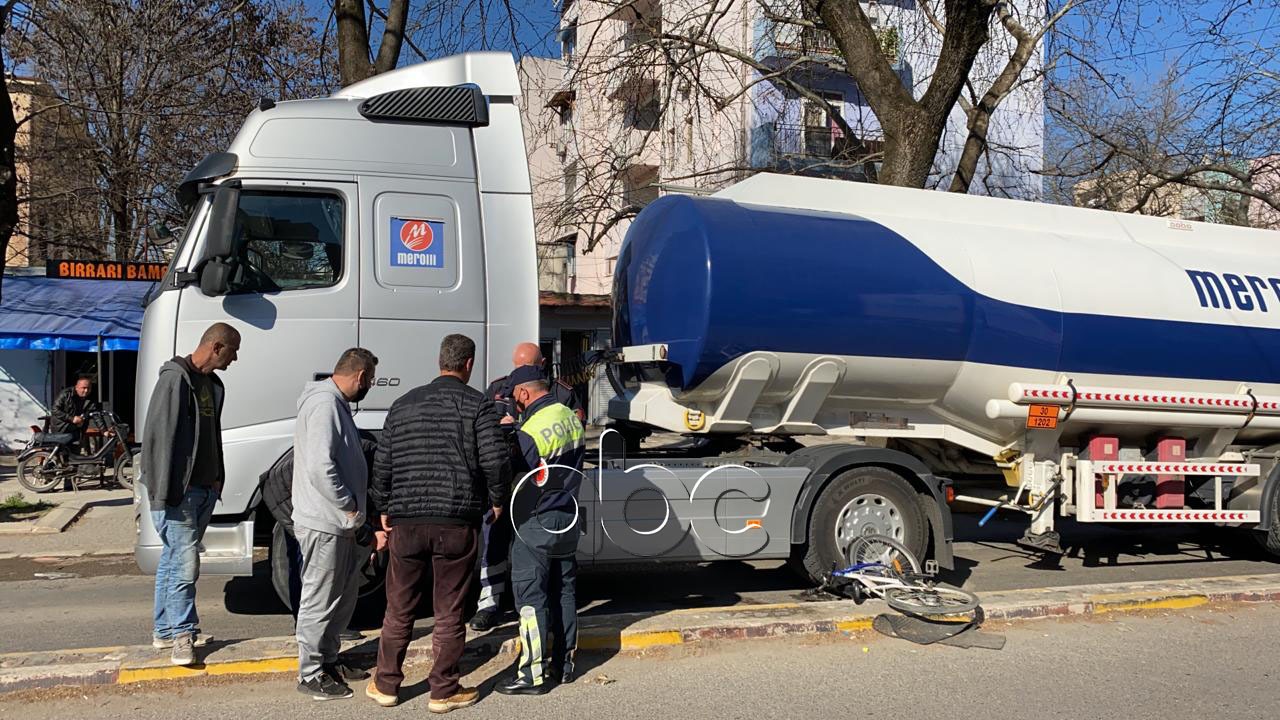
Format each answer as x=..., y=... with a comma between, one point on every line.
x=108, y=603
x=1193, y=665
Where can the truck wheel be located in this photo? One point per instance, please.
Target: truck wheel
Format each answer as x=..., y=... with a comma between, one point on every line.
x=373, y=599
x=858, y=502
x=1270, y=540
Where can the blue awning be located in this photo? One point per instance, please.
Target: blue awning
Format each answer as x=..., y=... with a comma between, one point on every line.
x=39, y=313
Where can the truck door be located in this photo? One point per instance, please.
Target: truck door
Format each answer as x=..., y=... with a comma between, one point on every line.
x=294, y=300
x=422, y=279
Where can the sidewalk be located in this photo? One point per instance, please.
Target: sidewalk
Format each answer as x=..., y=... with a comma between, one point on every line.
x=628, y=632
x=88, y=522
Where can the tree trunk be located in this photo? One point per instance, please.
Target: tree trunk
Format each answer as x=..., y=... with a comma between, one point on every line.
x=353, y=42
x=8, y=168
x=910, y=145
x=392, y=36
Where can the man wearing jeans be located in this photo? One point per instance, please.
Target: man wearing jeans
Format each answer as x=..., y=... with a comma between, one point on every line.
x=330, y=499
x=182, y=473
x=441, y=462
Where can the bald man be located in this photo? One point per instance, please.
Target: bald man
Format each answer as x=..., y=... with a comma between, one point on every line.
x=495, y=538
x=183, y=473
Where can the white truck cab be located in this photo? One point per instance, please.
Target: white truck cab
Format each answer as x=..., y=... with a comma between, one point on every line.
x=386, y=216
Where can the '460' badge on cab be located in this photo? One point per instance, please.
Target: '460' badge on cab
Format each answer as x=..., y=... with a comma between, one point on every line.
x=417, y=243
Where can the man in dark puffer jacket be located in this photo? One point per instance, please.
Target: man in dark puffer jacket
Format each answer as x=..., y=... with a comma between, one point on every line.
x=441, y=463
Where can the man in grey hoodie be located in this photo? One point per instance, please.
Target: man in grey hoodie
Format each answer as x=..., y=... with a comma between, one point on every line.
x=330, y=496
x=182, y=472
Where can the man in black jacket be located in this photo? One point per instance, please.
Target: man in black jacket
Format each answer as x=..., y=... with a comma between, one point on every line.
x=72, y=408
x=441, y=463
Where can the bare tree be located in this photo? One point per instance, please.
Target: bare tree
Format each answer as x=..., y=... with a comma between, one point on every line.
x=356, y=60
x=8, y=136
x=1200, y=140
x=694, y=94
x=129, y=96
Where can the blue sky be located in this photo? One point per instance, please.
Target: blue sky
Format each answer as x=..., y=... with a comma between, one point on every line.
x=1150, y=37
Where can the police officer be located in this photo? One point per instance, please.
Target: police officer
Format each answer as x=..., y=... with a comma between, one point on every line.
x=495, y=538
x=544, y=505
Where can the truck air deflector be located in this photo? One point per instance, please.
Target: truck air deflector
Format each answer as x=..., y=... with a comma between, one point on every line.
x=456, y=105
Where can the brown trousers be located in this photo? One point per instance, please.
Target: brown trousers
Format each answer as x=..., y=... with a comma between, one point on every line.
x=448, y=554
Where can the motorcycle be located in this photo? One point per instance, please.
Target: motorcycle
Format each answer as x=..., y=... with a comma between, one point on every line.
x=52, y=459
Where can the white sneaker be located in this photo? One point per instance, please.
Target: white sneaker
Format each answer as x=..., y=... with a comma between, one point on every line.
x=183, y=653
x=160, y=643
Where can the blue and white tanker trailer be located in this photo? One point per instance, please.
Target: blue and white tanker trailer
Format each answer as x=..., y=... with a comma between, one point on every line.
x=1109, y=367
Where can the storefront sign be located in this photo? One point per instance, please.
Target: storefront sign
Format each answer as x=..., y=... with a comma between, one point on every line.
x=104, y=270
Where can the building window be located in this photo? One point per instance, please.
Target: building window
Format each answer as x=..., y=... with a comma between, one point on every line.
x=570, y=183
x=820, y=130
x=644, y=115
x=569, y=41
x=568, y=252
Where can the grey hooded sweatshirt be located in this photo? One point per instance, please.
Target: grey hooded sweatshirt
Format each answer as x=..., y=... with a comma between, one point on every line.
x=330, y=477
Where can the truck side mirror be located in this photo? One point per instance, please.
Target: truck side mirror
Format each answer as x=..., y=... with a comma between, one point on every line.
x=219, y=241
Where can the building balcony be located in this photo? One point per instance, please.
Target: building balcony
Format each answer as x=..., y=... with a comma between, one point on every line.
x=634, y=84
x=791, y=41
x=817, y=151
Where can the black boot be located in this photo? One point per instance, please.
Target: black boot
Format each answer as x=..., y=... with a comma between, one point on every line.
x=486, y=619
x=519, y=686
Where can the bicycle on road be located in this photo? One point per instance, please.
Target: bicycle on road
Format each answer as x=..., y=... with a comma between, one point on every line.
x=881, y=567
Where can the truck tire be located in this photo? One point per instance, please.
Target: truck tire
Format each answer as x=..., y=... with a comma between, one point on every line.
x=373, y=597
x=862, y=501
x=1270, y=540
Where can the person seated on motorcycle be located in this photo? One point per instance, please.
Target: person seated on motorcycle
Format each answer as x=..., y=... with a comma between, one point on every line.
x=71, y=410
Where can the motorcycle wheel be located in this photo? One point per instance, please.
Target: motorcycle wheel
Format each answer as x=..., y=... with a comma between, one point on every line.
x=34, y=476
x=126, y=469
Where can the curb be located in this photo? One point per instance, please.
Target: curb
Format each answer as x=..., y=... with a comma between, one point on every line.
x=52, y=522
x=638, y=632
x=57, y=519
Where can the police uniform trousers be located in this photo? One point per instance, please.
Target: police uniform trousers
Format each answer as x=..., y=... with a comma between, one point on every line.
x=544, y=573
x=495, y=549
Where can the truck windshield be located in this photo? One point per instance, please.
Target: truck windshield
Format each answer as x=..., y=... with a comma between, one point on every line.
x=287, y=241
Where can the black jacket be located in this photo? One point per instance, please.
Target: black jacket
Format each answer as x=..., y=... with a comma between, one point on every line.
x=67, y=406
x=441, y=457
x=499, y=393
x=277, y=488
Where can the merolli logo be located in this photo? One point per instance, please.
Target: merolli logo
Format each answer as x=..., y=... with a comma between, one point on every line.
x=416, y=235
x=685, y=510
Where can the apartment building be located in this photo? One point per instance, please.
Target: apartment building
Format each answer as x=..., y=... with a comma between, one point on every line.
x=628, y=120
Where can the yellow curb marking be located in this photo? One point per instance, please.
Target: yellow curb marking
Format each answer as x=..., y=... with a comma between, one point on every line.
x=246, y=667
x=651, y=639
x=853, y=625
x=177, y=672
x=1174, y=603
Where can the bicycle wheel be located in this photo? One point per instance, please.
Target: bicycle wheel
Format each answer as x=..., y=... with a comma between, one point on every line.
x=884, y=550
x=34, y=476
x=939, y=600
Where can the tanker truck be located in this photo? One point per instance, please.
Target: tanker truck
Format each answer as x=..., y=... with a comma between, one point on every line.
x=925, y=337
x=1107, y=367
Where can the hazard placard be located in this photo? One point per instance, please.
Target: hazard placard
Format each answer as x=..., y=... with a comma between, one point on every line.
x=1042, y=417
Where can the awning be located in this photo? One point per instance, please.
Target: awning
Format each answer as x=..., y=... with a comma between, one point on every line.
x=40, y=313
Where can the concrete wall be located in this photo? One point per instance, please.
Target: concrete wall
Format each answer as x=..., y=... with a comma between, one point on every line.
x=24, y=394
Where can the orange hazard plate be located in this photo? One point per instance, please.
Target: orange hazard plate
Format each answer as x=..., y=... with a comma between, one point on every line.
x=1042, y=417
